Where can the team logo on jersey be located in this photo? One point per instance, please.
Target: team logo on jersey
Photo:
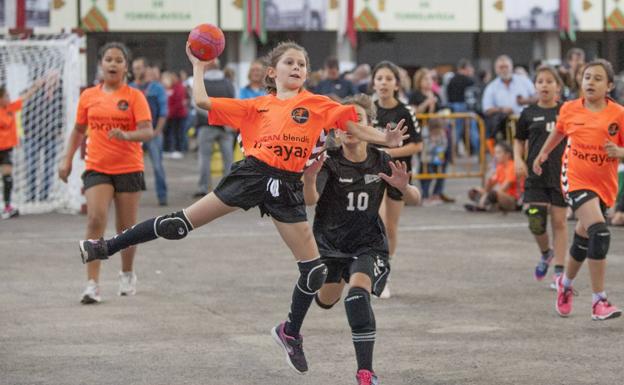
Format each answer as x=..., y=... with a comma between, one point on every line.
x=370, y=178
x=345, y=180
x=123, y=105
x=613, y=128
x=300, y=115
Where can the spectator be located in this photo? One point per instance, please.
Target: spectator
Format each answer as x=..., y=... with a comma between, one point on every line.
x=423, y=99
x=434, y=161
x=456, y=91
x=157, y=100
x=176, y=103
x=361, y=78
x=332, y=84
x=504, y=96
x=217, y=85
x=256, y=81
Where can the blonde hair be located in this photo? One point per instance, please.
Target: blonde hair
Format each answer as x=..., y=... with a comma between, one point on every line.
x=364, y=101
x=273, y=57
x=419, y=76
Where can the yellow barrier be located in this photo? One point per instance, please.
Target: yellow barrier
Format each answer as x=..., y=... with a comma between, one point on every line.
x=458, y=167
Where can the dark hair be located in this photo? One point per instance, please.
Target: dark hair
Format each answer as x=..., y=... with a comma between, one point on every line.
x=506, y=147
x=550, y=70
x=395, y=71
x=331, y=62
x=273, y=57
x=114, y=44
x=605, y=65
x=364, y=101
x=2, y=91
x=463, y=64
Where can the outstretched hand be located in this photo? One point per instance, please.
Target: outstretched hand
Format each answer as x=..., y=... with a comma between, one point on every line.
x=399, y=177
x=396, y=136
x=313, y=169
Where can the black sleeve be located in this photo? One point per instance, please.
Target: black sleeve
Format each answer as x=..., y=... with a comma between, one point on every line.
x=322, y=177
x=413, y=129
x=522, y=126
x=393, y=192
x=416, y=98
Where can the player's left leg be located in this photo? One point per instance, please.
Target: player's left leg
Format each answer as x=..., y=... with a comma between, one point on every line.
x=126, y=212
x=312, y=273
x=559, y=225
x=390, y=212
x=7, y=180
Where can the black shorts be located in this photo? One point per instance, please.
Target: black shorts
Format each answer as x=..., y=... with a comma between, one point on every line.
x=550, y=195
x=130, y=182
x=371, y=264
x=277, y=193
x=577, y=198
x=5, y=157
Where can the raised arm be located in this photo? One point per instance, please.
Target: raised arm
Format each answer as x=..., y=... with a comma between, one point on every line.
x=391, y=138
x=200, y=96
x=399, y=179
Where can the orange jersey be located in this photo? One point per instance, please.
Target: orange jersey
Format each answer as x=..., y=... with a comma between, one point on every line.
x=585, y=163
x=281, y=133
x=102, y=112
x=8, y=129
x=506, y=172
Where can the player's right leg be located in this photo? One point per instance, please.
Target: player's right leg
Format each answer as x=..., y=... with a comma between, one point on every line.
x=559, y=225
x=537, y=214
x=172, y=226
x=6, y=168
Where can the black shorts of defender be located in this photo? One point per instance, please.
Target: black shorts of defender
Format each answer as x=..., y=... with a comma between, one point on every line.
x=277, y=193
x=5, y=157
x=376, y=267
x=122, y=183
x=550, y=195
x=577, y=198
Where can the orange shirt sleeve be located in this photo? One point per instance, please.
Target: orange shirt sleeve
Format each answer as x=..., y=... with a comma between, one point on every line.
x=140, y=108
x=81, y=113
x=229, y=112
x=561, y=119
x=15, y=106
x=337, y=115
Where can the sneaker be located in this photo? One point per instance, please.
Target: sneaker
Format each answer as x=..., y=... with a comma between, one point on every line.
x=127, y=283
x=177, y=155
x=91, y=294
x=447, y=199
x=366, y=377
x=542, y=266
x=385, y=294
x=603, y=310
x=564, y=298
x=293, y=347
x=9, y=212
x=93, y=249
x=553, y=284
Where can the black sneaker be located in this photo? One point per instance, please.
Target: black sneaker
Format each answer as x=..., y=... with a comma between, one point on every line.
x=293, y=347
x=93, y=249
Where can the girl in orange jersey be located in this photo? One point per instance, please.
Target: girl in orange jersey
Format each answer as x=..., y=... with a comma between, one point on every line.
x=118, y=120
x=589, y=180
x=278, y=131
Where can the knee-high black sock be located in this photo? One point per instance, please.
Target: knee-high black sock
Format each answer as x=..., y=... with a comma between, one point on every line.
x=301, y=300
x=363, y=328
x=8, y=187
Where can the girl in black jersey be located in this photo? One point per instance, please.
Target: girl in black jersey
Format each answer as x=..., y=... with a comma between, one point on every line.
x=348, y=188
x=386, y=84
x=543, y=192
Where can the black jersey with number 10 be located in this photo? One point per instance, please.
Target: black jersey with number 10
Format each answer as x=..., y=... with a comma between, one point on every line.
x=347, y=213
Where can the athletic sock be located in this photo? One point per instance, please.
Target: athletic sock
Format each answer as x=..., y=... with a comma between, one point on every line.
x=558, y=269
x=598, y=296
x=139, y=233
x=299, y=306
x=567, y=282
x=363, y=329
x=8, y=187
x=546, y=254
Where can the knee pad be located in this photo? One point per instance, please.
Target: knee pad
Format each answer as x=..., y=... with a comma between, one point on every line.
x=312, y=275
x=538, y=219
x=491, y=197
x=599, y=239
x=173, y=226
x=579, y=247
x=359, y=312
x=324, y=305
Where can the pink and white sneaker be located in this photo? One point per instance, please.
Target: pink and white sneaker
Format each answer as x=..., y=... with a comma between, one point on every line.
x=603, y=310
x=366, y=377
x=564, y=298
x=9, y=212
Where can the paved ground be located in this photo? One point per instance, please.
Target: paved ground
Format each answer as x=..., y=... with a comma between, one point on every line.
x=465, y=309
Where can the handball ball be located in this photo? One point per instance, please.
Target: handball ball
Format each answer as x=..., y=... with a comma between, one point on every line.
x=206, y=41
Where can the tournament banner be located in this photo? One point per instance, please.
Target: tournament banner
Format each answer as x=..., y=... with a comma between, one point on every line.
x=146, y=15
x=566, y=16
x=423, y=15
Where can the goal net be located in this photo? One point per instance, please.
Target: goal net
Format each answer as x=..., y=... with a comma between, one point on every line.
x=45, y=121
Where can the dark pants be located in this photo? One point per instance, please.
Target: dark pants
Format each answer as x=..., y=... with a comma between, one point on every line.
x=174, y=134
x=438, y=187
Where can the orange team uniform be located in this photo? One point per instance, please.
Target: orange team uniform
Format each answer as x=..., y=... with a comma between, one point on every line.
x=8, y=130
x=102, y=112
x=585, y=164
x=281, y=133
x=506, y=172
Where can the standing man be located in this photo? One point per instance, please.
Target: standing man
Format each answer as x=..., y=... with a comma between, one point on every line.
x=456, y=91
x=157, y=99
x=333, y=85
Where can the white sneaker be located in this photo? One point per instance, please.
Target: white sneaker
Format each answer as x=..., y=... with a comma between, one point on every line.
x=127, y=283
x=385, y=294
x=176, y=155
x=91, y=294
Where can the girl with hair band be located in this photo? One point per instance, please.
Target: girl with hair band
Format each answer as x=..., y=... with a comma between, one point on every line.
x=593, y=125
x=278, y=131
